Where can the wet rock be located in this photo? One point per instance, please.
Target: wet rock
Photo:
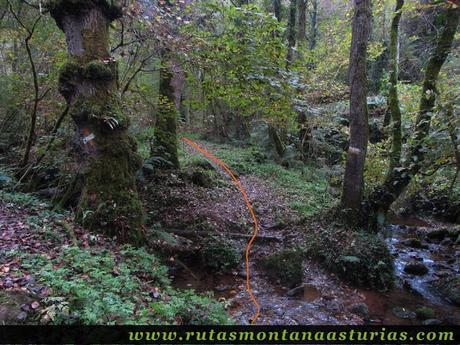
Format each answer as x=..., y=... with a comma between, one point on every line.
x=416, y=268
x=360, y=309
x=10, y=306
x=432, y=322
x=403, y=313
x=438, y=234
x=285, y=266
x=447, y=242
x=412, y=242
x=449, y=287
x=425, y=313
x=22, y=316
x=297, y=291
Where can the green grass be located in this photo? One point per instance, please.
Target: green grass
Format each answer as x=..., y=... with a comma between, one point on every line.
x=306, y=188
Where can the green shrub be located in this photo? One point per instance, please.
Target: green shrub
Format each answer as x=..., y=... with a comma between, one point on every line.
x=220, y=253
x=360, y=258
x=285, y=266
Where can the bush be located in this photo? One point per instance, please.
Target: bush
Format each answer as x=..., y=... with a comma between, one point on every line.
x=220, y=254
x=360, y=258
x=286, y=266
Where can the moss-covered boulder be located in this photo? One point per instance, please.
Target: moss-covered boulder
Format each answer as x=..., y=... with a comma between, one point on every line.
x=449, y=287
x=358, y=257
x=13, y=307
x=285, y=266
x=416, y=268
x=220, y=253
x=425, y=313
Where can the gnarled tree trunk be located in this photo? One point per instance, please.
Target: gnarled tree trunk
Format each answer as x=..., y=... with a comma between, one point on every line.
x=291, y=32
x=109, y=200
x=353, y=183
x=384, y=196
x=393, y=100
x=165, y=142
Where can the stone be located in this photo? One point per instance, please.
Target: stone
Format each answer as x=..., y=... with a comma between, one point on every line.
x=412, y=242
x=416, y=268
x=425, y=313
x=432, y=322
x=360, y=309
x=403, y=313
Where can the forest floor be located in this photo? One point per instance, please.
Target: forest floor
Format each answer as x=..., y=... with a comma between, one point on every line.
x=187, y=212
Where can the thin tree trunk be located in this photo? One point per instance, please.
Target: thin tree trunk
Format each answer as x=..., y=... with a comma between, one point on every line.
x=313, y=24
x=291, y=32
x=393, y=100
x=353, y=183
x=302, y=23
x=165, y=143
x=277, y=9
x=109, y=200
x=383, y=197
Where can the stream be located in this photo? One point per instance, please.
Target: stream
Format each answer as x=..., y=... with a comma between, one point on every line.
x=324, y=299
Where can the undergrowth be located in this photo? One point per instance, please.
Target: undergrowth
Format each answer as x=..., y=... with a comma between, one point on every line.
x=306, y=187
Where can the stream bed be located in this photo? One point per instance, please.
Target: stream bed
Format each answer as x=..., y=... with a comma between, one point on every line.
x=325, y=299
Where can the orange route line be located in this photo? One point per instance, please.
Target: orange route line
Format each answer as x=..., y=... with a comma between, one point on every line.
x=237, y=182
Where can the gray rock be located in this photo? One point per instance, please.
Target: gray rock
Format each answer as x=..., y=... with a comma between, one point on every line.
x=403, y=313
x=432, y=322
x=360, y=309
x=416, y=268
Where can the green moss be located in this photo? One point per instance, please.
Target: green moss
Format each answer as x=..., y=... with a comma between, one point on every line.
x=220, y=253
x=106, y=112
x=68, y=78
x=110, y=201
x=99, y=71
x=165, y=140
x=425, y=313
x=285, y=266
x=60, y=8
x=360, y=258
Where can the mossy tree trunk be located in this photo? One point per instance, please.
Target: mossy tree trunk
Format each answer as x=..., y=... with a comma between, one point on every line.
x=277, y=9
x=313, y=24
x=109, y=201
x=353, y=183
x=393, y=100
x=165, y=141
x=291, y=32
x=302, y=22
x=383, y=197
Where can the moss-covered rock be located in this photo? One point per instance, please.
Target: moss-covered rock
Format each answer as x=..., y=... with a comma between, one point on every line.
x=359, y=257
x=449, y=287
x=285, y=266
x=220, y=253
x=425, y=313
x=10, y=307
x=416, y=268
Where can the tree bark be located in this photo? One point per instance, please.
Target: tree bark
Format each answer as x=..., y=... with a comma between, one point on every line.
x=353, y=183
x=165, y=142
x=291, y=32
x=313, y=24
x=384, y=196
x=393, y=100
x=277, y=9
x=302, y=23
x=109, y=201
